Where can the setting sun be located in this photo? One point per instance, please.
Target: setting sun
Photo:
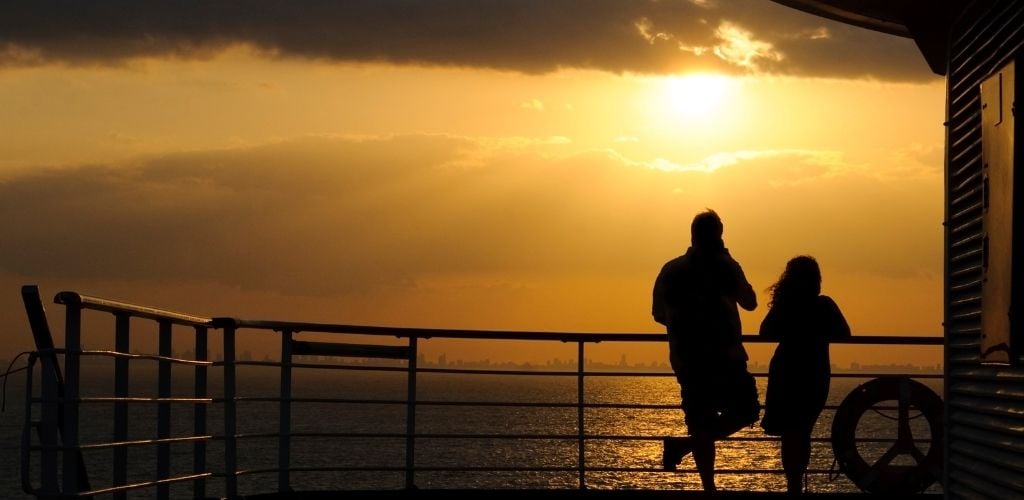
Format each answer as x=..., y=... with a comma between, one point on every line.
x=696, y=96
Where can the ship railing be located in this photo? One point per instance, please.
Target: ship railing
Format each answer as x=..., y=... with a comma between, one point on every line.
x=61, y=478
x=59, y=400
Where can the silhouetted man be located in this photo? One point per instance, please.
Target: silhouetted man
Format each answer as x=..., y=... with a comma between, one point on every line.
x=695, y=297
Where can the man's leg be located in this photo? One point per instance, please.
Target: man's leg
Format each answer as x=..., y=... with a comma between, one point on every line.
x=673, y=450
x=704, y=457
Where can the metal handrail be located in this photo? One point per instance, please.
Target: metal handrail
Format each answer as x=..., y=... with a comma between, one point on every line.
x=123, y=311
x=587, y=337
x=75, y=299
x=548, y=437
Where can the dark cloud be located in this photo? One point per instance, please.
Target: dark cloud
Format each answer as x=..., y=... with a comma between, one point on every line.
x=533, y=36
x=324, y=216
x=312, y=216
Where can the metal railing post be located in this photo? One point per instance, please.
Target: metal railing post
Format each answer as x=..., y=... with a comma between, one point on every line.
x=26, y=434
x=48, y=424
x=284, y=439
x=230, y=438
x=122, y=345
x=410, y=418
x=580, y=419
x=163, y=410
x=73, y=346
x=199, y=412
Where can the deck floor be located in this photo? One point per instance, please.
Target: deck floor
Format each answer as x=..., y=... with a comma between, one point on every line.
x=549, y=495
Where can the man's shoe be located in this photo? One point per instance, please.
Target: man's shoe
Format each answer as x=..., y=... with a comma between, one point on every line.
x=674, y=450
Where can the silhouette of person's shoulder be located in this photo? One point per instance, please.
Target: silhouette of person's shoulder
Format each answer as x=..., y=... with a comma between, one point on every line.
x=826, y=302
x=678, y=264
x=836, y=323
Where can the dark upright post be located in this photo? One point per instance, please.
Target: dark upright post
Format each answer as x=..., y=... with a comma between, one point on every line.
x=121, y=345
x=579, y=419
x=410, y=419
x=285, y=420
x=199, y=450
x=163, y=416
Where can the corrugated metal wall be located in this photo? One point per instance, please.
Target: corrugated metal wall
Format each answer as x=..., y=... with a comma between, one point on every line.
x=985, y=416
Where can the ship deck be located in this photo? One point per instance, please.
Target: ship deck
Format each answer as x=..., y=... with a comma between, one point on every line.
x=548, y=494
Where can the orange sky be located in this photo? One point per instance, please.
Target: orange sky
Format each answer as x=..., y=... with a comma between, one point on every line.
x=483, y=187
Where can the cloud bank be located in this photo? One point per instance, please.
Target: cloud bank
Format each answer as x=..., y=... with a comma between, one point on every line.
x=530, y=36
x=335, y=215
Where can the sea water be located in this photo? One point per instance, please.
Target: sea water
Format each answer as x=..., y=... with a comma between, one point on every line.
x=531, y=456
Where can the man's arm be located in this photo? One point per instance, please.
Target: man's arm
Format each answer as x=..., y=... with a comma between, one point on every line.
x=746, y=297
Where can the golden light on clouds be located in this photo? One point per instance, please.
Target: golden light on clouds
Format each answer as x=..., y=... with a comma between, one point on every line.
x=457, y=197
x=740, y=47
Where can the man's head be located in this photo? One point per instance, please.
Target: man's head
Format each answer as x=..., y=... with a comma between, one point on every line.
x=706, y=230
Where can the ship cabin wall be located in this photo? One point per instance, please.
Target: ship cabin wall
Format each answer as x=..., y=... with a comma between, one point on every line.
x=984, y=369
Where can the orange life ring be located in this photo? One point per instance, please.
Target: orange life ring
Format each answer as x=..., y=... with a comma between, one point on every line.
x=882, y=476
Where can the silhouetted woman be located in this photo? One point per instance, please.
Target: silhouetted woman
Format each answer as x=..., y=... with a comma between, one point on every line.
x=803, y=322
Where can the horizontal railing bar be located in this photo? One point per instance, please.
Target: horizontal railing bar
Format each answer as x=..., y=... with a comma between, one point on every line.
x=402, y=435
x=639, y=406
x=320, y=366
x=507, y=469
x=543, y=373
x=481, y=371
x=450, y=333
x=528, y=404
x=550, y=437
x=306, y=348
x=522, y=404
x=118, y=444
x=116, y=354
x=609, y=437
x=889, y=374
x=511, y=469
x=691, y=471
x=755, y=374
x=148, y=357
x=113, y=399
x=525, y=404
x=118, y=307
x=272, y=399
x=247, y=472
x=147, y=484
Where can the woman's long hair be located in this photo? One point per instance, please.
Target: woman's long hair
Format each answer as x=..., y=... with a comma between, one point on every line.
x=800, y=280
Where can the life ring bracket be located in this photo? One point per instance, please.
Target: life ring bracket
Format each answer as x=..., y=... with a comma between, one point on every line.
x=883, y=475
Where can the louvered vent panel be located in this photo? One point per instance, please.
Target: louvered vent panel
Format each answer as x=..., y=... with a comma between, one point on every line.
x=986, y=403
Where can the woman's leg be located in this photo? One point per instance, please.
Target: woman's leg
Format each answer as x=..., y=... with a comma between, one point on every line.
x=796, y=455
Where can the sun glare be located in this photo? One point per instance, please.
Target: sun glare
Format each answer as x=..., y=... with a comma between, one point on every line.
x=696, y=97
